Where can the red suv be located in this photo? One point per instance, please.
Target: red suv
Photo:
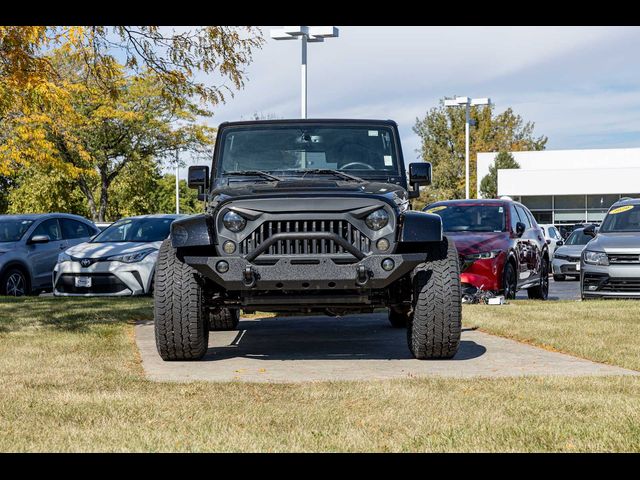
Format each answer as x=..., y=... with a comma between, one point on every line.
x=500, y=245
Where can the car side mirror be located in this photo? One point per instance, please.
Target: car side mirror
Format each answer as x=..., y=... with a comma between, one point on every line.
x=548, y=242
x=40, y=239
x=520, y=228
x=559, y=243
x=199, y=179
x=590, y=230
x=419, y=174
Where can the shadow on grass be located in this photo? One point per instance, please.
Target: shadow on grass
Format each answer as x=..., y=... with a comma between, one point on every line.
x=70, y=314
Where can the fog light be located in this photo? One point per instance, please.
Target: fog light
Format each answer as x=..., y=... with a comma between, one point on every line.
x=229, y=247
x=222, y=266
x=383, y=244
x=592, y=287
x=388, y=264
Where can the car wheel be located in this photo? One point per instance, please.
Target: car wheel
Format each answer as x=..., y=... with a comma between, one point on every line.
x=559, y=278
x=14, y=283
x=224, y=319
x=541, y=291
x=434, y=327
x=509, y=281
x=181, y=327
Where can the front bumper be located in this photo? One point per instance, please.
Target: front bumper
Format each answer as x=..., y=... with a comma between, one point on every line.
x=305, y=272
x=109, y=279
x=613, y=281
x=565, y=267
x=483, y=274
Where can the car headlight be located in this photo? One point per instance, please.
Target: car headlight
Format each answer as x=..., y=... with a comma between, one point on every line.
x=63, y=257
x=595, y=258
x=131, y=257
x=377, y=220
x=234, y=221
x=483, y=255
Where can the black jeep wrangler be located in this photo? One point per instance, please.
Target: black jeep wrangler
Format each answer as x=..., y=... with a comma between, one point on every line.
x=307, y=216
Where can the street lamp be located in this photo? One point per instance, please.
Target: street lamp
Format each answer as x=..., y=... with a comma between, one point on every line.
x=466, y=102
x=306, y=34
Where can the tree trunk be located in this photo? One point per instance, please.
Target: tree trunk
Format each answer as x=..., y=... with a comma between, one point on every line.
x=86, y=190
x=104, y=195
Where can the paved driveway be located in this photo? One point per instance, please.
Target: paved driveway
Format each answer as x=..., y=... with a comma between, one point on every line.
x=357, y=347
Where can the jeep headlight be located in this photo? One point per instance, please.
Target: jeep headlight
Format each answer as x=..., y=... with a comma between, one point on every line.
x=377, y=220
x=234, y=221
x=131, y=257
x=595, y=258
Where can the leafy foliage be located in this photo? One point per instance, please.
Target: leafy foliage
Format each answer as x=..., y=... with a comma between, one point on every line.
x=489, y=184
x=443, y=144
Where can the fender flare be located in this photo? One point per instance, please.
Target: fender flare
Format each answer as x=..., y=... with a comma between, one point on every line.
x=193, y=231
x=420, y=227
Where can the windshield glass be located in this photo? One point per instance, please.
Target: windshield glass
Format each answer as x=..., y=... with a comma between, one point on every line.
x=470, y=218
x=13, y=230
x=363, y=151
x=136, y=230
x=622, y=219
x=578, y=237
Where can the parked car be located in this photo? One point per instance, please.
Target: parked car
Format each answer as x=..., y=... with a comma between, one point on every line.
x=552, y=236
x=500, y=245
x=610, y=262
x=29, y=247
x=566, y=261
x=119, y=261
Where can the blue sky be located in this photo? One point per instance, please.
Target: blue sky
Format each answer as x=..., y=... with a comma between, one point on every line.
x=580, y=85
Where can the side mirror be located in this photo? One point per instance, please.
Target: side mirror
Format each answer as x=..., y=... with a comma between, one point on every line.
x=559, y=243
x=548, y=242
x=40, y=239
x=199, y=179
x=419, y=174
x=520, y=228
x=590, y=230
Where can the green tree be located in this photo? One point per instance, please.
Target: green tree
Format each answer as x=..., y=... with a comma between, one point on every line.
x=165, y=196
x=489, y=184
x=443, y=144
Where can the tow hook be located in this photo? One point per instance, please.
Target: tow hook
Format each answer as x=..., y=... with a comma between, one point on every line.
x=249, y=277
x=362, y=275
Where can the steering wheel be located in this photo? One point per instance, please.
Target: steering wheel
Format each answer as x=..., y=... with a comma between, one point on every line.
x=352, y=164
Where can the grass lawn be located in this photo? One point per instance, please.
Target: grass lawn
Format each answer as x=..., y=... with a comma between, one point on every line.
x=71, y=380
x=606, y=331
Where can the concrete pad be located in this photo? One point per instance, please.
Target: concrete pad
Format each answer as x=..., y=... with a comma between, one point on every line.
x=356, y=347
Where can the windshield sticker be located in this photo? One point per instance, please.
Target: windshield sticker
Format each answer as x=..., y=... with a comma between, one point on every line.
x=626, y=208
x=388, y=161
x=436, y=209
x=373, y=133
x=500, y=210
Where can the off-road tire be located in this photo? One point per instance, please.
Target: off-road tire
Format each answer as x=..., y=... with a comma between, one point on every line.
x=181, y=323
x=434, y=327
x=399, y=318
x=559, y=278
x=224, y=319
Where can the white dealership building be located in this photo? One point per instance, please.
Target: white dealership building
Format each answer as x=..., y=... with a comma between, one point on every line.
x=565, y=187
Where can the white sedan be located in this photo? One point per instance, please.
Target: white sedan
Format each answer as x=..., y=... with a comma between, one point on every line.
x=119, y=261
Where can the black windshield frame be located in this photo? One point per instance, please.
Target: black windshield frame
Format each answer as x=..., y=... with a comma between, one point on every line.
x=397, y=175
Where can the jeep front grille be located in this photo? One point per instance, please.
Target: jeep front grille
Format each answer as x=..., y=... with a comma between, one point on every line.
x=307, y=246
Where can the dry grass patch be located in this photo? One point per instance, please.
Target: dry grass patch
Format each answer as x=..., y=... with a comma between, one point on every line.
x=71, y=381
x=606, y=331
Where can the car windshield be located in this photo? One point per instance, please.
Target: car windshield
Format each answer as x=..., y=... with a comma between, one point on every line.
x=622, y=219
x=292, y=150
x=136, y=230
x=470, y=218
x=578, y=237
x=13, y=230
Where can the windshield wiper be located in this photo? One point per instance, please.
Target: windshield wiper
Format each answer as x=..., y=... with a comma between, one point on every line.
x=255, y=173
x=324, y=171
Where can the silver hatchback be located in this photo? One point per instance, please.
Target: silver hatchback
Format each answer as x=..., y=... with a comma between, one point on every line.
x=610, y=262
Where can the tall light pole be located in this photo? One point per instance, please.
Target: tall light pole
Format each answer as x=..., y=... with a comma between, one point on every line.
x=306, y=34
x=177, y=182
x=467, y=103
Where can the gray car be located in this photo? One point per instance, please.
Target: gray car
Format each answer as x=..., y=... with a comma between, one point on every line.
x=29, y=248
x=566, y=259
x=610, y=262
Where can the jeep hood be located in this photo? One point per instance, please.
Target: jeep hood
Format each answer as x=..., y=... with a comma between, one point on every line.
x=622, y=242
